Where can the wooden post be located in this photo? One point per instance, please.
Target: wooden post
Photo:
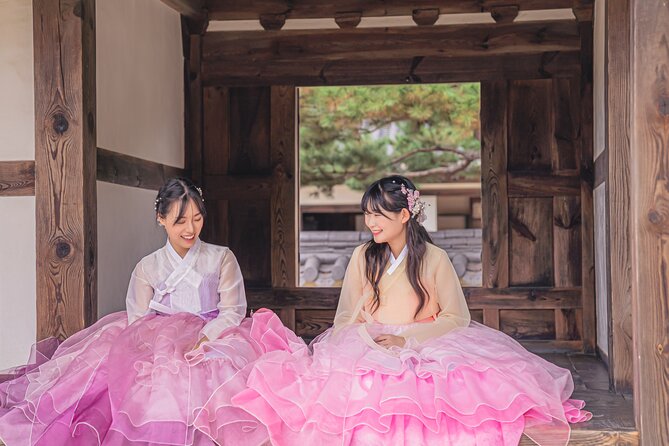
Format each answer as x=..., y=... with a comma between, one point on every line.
x=649, y=181
x=618, y=203
x=495, y=203
x=65, y=165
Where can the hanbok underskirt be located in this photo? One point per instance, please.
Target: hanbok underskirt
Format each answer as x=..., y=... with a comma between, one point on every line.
x=472, y=386
x=114, y=384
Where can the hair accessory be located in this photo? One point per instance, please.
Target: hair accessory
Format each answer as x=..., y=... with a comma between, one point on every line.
x=156, y=203
x=416, y=205
x=199, y=191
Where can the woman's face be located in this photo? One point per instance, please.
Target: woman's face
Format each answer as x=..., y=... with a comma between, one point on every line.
x=182, y=233
x=387, y=227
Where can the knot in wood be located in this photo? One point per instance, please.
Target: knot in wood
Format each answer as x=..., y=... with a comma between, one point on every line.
x=60, y=123
x=663, y=105
x=62, y=249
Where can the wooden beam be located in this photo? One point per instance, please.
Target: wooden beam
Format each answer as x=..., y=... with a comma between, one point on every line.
x=504, y=13
x=285, y=193
x=127, y=170
x=425, y=17
x=494, y=202
x=392, y=71
x=348, y=19
x=17, y=178
x=222, y=187
x=194, y=143
x=537, y=184
x=589, y=329
x=649, y=199
x=309, y=9
x=192, y=9
x=477, y=298
x=617, y=171
x=236, y=47
x=65, y=166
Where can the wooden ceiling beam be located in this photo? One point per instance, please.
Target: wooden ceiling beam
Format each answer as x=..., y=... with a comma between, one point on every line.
x=393, y=71
x=191, y=9
x=244, y=47
x=310, y=9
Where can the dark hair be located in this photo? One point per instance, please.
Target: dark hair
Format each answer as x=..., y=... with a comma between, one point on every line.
x=179, y=190
x=385, y=195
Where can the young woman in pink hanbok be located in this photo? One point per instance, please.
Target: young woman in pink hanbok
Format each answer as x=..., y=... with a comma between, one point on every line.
x=404, y=364
x=163, y=372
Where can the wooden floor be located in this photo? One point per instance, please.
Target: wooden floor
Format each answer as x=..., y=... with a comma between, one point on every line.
x=613, y=415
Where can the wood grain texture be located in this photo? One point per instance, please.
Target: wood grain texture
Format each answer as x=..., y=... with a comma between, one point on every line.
x=494, y=201
x=531, y=242
x=567, y=241
x=531, y=125
x=586, y=162
x=236, y=47
x=126, y=170
x=284, y=197
x=527, y=324
x=618, y=189
x=17, y=178
x=194, y=105
x=400, y=70
x=309, y=9
x=649, y=180
x=65, y=166
x=538, y=184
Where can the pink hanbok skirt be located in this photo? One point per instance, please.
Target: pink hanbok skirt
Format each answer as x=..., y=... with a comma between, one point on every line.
x=472, y=386
x=115, y=384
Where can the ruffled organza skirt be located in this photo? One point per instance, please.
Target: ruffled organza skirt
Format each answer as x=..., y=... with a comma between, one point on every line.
x=472, y=386
x=116, y=384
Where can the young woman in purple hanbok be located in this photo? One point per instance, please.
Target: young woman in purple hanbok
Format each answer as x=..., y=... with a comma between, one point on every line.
x=162, y=372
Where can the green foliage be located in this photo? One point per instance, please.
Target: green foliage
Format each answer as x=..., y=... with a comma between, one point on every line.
x=354, y=135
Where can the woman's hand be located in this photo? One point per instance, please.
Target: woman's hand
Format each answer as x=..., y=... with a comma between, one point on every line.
x=388, y=340
x=200, y=342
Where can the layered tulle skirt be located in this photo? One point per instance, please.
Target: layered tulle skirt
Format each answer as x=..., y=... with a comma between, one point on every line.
x=116, y=384
x=472, y=386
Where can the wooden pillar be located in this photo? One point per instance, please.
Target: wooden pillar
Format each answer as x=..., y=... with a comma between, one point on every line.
x=649, y=182
x=65, y=165
x=494, y=201
x=618, y=201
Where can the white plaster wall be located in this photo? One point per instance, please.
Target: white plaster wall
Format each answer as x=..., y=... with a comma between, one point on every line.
x=17, y=126
x=140, y=100
x=601, y=285
x=17, y=280
x=127, y=231
x=140, y=112
x=17, y=142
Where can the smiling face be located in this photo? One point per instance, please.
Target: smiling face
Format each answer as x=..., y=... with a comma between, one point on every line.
x=387, y=227
x=182, y=232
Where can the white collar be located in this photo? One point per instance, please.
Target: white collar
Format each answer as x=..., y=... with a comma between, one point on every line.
x=175, y=255
x=395, y=262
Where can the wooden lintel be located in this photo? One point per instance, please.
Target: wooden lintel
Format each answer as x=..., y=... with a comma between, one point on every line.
x=17, y=178
x=272, y=22
x=223, y=187
x=65, y=166
x=251, y=9
x=425, y=17
x=536, y=184
x=392, y=71
x=238, y=48
x=130, y=171
x=504, y=14
x=348, y=19
x=193, y=9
